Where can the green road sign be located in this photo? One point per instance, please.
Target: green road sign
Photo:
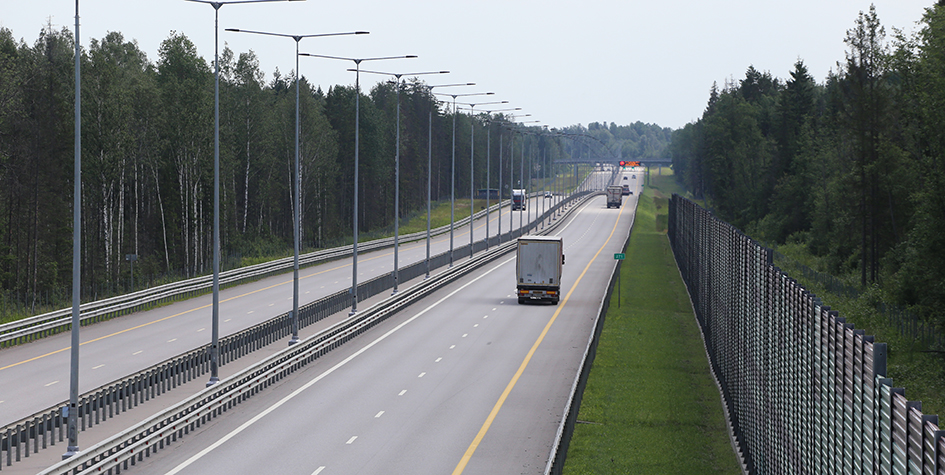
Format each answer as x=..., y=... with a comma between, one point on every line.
x=620, y=256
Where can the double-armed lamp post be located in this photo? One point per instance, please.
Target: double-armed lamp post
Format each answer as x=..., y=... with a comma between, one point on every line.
x=357, y=126
x=488, y=166
x=397, y=168
x=453, y=167
x=297, y=200
x=430, y=160
x=472, y=170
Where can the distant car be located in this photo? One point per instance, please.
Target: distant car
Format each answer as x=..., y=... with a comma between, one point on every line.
x=626, y=190
x=548, y=194
x=624, y=178
x=633, y=176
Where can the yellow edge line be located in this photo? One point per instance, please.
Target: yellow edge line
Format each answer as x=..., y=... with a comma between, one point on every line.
x=521, y=369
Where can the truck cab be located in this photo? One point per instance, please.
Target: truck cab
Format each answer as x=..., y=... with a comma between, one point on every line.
x=519, y=201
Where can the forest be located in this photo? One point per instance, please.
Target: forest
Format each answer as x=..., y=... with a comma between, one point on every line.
x=851, y=168
x=147, y=161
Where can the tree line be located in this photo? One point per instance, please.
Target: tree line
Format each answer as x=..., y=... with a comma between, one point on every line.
x=852, y=167
x=147, y=160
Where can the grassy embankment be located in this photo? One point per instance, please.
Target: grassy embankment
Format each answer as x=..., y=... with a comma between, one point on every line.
x=651, y=405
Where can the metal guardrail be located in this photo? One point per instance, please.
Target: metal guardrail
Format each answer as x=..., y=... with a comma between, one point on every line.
x=40, y=326
x=805, y=391
x=46, y=427
x=152, y=434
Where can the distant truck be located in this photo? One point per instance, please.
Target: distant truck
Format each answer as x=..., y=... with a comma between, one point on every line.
x=518, y=200
x=538, y=263
x=614, y=196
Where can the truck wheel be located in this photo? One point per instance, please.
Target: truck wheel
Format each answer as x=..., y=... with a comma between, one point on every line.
x=521, y=301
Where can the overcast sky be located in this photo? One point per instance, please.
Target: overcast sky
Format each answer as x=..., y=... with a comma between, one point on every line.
x=564, y=62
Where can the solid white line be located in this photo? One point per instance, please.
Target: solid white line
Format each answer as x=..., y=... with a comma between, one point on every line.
x=318, y=470
x=327, y=372
x=351, y=440
x=379, y=414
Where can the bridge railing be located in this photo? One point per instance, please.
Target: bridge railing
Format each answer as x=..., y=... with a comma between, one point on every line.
x=805, y=391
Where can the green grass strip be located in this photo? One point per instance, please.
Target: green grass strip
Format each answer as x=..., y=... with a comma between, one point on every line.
x=651, y=405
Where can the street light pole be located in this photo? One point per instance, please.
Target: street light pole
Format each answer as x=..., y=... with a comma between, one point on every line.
x=357, y=127
x=397, y=172
x=215, y=343
x=430, y=163
x=297, y=200
x=488, y=168
x=472, y=174
x=453, y=168
x=71, y=411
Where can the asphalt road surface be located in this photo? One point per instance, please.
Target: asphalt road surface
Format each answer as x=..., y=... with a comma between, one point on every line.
x=464, y=381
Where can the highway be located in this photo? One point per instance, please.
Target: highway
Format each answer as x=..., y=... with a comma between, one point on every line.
x=35, y=376
x=464, y=381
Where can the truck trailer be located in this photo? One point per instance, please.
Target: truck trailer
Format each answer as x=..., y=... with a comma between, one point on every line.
x=519, y=200
x=614, y=196
x=538, y=263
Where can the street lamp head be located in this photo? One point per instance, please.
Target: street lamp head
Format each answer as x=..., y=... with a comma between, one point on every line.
x=398, y=75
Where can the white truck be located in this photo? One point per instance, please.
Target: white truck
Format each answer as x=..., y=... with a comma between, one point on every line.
x=519, y=200
x=538, y=263
x=614, y=196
